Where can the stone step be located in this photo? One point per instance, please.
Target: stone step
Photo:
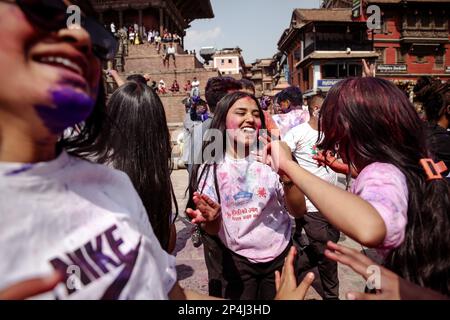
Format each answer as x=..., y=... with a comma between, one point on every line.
x=149, y=49
x=155, y=63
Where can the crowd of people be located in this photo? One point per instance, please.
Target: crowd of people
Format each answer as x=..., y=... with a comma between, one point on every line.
x=139, y=35
x=86, y=183
x=166, y=42
x=192, y=88
x=365, y=128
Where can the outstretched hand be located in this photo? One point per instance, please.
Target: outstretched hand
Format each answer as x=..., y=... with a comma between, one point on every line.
x=32, y=287
x=360, y=263
x=325, y=159
x=388, y=285
x=329, y=160
x=286, y=282
x=207, y=210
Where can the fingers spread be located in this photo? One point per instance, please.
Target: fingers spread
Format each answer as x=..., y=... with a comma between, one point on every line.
x=277, y=280
x=209, y=201
x=352, y=253
x=302, y=289
x=356, y=265
x=195, y=215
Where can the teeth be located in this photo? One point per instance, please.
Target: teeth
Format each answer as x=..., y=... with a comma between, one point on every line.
x=64, y=62
x=249, y=130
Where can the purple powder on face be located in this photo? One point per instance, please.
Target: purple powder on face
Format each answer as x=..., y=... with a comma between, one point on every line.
x=22, y=169
x=69, y=108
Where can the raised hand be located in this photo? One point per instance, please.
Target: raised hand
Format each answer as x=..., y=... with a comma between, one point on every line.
x=368, y=70
x=286, y=283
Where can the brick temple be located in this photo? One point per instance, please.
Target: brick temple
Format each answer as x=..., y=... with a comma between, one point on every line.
x=174, y=16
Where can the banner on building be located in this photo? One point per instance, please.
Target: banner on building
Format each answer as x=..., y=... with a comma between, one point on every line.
x=325, y=84
x=391, y=68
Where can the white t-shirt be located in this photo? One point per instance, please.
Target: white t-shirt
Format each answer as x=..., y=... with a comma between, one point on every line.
x=302, y=141
x=171, y=50
x=195, y=83
x=256, y=224
x=85, y=220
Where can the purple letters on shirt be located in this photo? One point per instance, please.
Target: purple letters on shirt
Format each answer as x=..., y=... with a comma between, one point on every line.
x=102, y=261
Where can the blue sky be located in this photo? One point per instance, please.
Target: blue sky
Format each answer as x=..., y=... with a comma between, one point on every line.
x=253, y=25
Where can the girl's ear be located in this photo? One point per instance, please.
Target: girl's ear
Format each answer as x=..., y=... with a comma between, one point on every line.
x=316, y=111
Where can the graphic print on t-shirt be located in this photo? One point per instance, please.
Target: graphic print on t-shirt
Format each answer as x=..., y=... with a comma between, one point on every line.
x=242, y=197
x=94, y=263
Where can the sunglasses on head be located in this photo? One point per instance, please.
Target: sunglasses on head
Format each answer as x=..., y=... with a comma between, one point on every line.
x=51, y=15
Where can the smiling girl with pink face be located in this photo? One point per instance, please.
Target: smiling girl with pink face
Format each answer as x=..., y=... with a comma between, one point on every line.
x=243, y=123
x=243, y=202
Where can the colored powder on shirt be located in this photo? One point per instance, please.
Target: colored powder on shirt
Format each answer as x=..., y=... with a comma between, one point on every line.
x=22, y=169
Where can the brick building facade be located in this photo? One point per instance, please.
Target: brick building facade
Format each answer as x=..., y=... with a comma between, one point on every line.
x=323, y=46
x=414, y=39
x=261, y=73
x=174, y=15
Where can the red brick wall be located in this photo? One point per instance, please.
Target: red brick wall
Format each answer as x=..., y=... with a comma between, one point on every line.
x=155, y=62
x=394, y=25
x=172, y=102
x=145, y=58
x=174, y=107
x=295, y=74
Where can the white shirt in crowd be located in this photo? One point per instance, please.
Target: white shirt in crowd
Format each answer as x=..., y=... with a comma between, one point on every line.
x=171, y=50
x=302, y=140
x=195, y=83
x=85, y=220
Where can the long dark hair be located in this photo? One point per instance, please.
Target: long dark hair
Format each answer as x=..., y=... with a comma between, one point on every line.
x=218, y=123
x=373, y=121
x=434, y=95
x=135, y=139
